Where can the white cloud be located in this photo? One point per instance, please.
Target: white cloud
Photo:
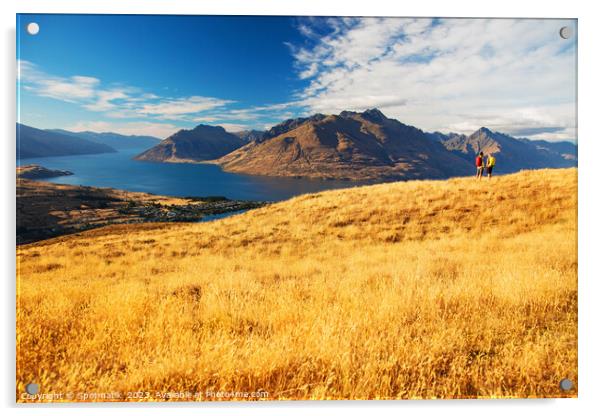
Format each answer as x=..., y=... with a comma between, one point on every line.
x=233, y=127
x=105, y=100
x=251, y=115
x=205, y=119
x=311, y=70
x=143, y=128
x=177, y=107
x=511, y=75
x=114, y=101
x=71, y=89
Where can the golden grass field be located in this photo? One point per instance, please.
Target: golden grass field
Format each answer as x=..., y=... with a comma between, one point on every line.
x=423, y=289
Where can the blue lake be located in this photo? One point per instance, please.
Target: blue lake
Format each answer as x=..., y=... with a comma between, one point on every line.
x=118, y=170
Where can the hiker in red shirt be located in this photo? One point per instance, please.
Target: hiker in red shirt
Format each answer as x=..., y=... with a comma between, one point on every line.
x=480, y=165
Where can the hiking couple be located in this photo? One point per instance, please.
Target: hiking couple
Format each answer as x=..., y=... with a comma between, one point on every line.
x=480, y=162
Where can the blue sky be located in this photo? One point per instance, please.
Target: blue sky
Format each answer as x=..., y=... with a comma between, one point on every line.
x=157, y=74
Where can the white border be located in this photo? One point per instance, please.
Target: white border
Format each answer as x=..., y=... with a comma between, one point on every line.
x=590, y=210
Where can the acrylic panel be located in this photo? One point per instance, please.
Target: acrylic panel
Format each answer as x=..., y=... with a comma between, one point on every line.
x=248, y=208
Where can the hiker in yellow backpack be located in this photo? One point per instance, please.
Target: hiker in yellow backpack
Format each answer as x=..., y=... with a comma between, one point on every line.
x=490, y=164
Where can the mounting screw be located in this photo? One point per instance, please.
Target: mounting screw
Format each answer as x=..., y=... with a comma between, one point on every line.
x=566, y=32
x=566, y=384
x=33, y=28
x=32, y=388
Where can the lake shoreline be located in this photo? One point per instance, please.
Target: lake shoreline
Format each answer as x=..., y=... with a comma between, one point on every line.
x=47, y=210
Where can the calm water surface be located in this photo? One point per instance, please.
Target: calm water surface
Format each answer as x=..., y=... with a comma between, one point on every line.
x=118, y=170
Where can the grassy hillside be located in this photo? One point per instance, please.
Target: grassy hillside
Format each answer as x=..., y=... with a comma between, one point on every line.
x=453, y=288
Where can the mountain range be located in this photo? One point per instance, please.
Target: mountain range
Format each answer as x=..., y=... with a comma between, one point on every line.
x=347, y=146
x=115, y=140
x=32, y=142
x=357, y=146
x=511, y=154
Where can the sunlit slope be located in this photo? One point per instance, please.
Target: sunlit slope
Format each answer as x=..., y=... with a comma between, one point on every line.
x=457, y=288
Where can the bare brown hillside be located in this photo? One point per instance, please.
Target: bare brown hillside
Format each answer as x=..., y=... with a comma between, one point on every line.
x=198, y=144
x=351, y=146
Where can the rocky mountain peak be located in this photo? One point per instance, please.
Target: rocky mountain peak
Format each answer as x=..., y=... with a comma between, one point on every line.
x=374, y=114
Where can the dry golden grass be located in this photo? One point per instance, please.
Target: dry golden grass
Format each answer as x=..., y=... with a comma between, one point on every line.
x=424, y=289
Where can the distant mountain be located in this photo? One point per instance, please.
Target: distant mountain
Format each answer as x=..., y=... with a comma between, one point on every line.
x=250, y=135
x=511, y=154
x=201, y=143
x=32, y=142
x=115, y=140
x=350, y=145
x=443, y=138
x=567, y=150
